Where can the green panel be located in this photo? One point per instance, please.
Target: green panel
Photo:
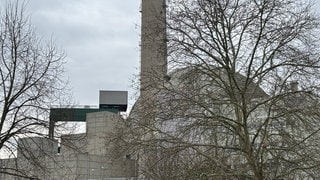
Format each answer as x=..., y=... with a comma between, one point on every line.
x=73, y=114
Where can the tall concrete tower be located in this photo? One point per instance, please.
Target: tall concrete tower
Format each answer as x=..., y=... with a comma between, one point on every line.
x=153, y=42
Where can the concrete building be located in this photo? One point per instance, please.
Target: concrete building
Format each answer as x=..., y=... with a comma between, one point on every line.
x=89, y=155
x=187, y=81
x=77, y=156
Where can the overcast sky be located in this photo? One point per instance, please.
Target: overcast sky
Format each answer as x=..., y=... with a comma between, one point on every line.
x=100, y=38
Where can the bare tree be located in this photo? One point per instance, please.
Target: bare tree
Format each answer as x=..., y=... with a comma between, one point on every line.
x=242, y=98
x=30, y=81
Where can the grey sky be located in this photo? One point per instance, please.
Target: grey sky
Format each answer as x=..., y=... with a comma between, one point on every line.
x=100, y=38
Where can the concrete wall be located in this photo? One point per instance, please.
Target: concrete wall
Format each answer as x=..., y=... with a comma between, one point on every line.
x=86, y=166
x=73, y=143
x=31, y=161
x=100, y=126
x=32, y=152
x=82, y=156
x=153, y=42
x=9, y=166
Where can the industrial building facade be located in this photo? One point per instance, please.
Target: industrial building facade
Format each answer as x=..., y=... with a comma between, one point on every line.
x=87, y=155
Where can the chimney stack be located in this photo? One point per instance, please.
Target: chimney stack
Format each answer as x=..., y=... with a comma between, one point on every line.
x=153, y=43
